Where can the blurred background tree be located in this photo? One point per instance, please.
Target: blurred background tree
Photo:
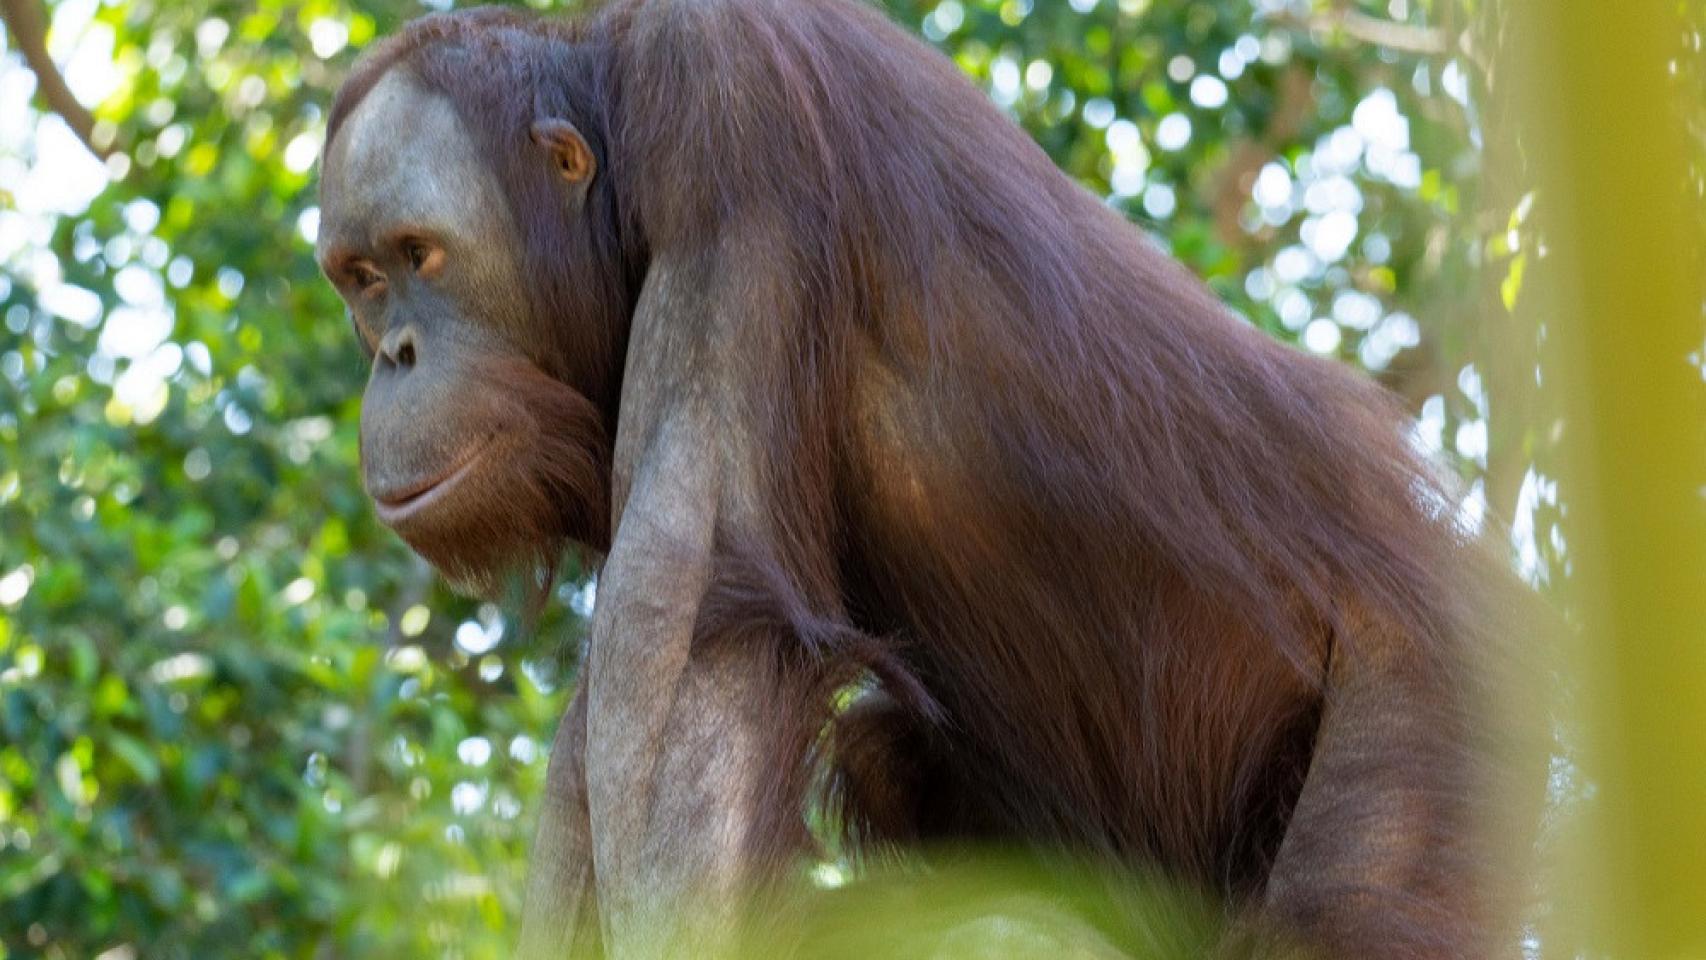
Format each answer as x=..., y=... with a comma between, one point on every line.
x=237, y=719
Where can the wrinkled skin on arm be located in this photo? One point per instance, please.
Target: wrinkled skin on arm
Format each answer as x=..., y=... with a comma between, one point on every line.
x=669, y=741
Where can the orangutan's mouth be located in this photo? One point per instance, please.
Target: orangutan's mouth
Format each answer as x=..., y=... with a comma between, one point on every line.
x=410, y=502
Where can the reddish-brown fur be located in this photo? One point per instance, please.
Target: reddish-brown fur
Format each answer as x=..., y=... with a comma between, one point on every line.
x=559, y=478
x=1099, y=541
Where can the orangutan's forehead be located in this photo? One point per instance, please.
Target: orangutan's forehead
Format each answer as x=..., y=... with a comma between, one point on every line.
x=404, y=156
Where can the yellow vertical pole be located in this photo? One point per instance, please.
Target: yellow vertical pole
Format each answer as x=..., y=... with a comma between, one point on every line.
x=1622, y=299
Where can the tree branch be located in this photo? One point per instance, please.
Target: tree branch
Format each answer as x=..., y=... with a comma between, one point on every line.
x=27, y=27
x=1384, y=33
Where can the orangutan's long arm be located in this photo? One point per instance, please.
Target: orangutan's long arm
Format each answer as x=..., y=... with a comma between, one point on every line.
x=679, y=734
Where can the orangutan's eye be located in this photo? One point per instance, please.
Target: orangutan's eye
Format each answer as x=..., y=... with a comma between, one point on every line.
x=364, y=277
x=425, y=259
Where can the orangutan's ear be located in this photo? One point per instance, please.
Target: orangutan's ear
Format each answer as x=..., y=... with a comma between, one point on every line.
x=568, y=149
